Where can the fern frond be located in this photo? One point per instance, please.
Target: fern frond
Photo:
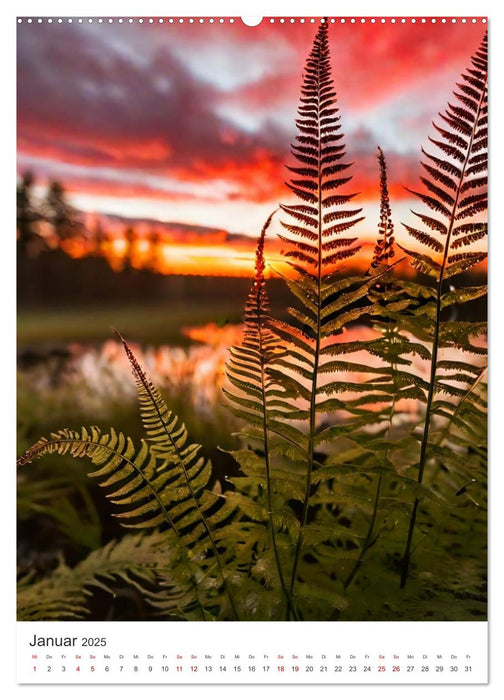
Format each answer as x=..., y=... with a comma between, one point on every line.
x=464, y=140
x=394, y=351
x=319, y=133
x=259, y=395
x=384, y=248
x=164, y=482
x=318, y=241
x=200, y=508
x=134, y=560
x=131, y=476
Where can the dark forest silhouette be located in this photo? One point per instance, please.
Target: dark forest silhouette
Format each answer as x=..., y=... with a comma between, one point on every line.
x=48, y=275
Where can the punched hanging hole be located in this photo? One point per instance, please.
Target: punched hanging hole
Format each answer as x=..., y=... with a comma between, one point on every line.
x=252, y=21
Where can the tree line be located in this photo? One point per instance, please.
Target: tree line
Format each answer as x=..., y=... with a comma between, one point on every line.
x=49, y=222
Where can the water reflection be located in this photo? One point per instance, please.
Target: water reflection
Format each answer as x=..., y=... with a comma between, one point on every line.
x=196, y=374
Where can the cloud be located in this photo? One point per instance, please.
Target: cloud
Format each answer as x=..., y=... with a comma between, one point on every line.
x=206, y=112
x=82, y=99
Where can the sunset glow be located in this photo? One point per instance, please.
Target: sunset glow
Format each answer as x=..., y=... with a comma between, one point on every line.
x=156, y=126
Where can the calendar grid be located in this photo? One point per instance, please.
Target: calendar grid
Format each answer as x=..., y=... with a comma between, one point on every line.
x=172, y=653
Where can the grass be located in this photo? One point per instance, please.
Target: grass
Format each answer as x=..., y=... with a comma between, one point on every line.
x=159, y=324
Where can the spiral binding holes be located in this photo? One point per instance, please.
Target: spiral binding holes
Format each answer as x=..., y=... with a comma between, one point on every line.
x=219, y=21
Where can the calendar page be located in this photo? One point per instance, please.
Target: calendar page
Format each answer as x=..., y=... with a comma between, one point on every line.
x=252, y=349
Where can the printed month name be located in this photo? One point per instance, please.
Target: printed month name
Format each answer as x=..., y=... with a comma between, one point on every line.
x=53, y=641
x=67, y=641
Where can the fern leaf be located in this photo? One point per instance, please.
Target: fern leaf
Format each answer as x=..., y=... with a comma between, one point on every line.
x=318, y=244
x=425, y=238
x=136, y=560
x=118, y=462
x=259, y=349
x=463, y=138
x=168, y=439
x=163, y=482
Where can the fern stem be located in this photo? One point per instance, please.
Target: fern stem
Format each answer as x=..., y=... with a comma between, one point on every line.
x=316, y=357
x=304, y=516
x=367, y=541
x=260, y=321
x=267, y=451
x=268, y=483
x=203, y=520
x=407, y=552
x=435, y=349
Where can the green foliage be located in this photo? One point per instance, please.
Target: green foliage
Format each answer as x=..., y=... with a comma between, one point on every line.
x=458, y=195
x=63, y=596
x=361, y=487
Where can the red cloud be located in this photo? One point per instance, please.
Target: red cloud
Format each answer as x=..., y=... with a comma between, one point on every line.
x=89, y=102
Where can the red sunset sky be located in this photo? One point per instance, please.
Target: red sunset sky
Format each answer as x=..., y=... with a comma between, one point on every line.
x=192, y=123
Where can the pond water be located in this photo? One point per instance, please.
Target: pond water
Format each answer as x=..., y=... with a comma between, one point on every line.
x=96, y=376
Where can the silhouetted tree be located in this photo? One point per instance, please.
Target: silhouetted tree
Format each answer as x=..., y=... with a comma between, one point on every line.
x=100, y=238
x=28, y=218
x=155, y=241
x=65, y=219
x=130, y=236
